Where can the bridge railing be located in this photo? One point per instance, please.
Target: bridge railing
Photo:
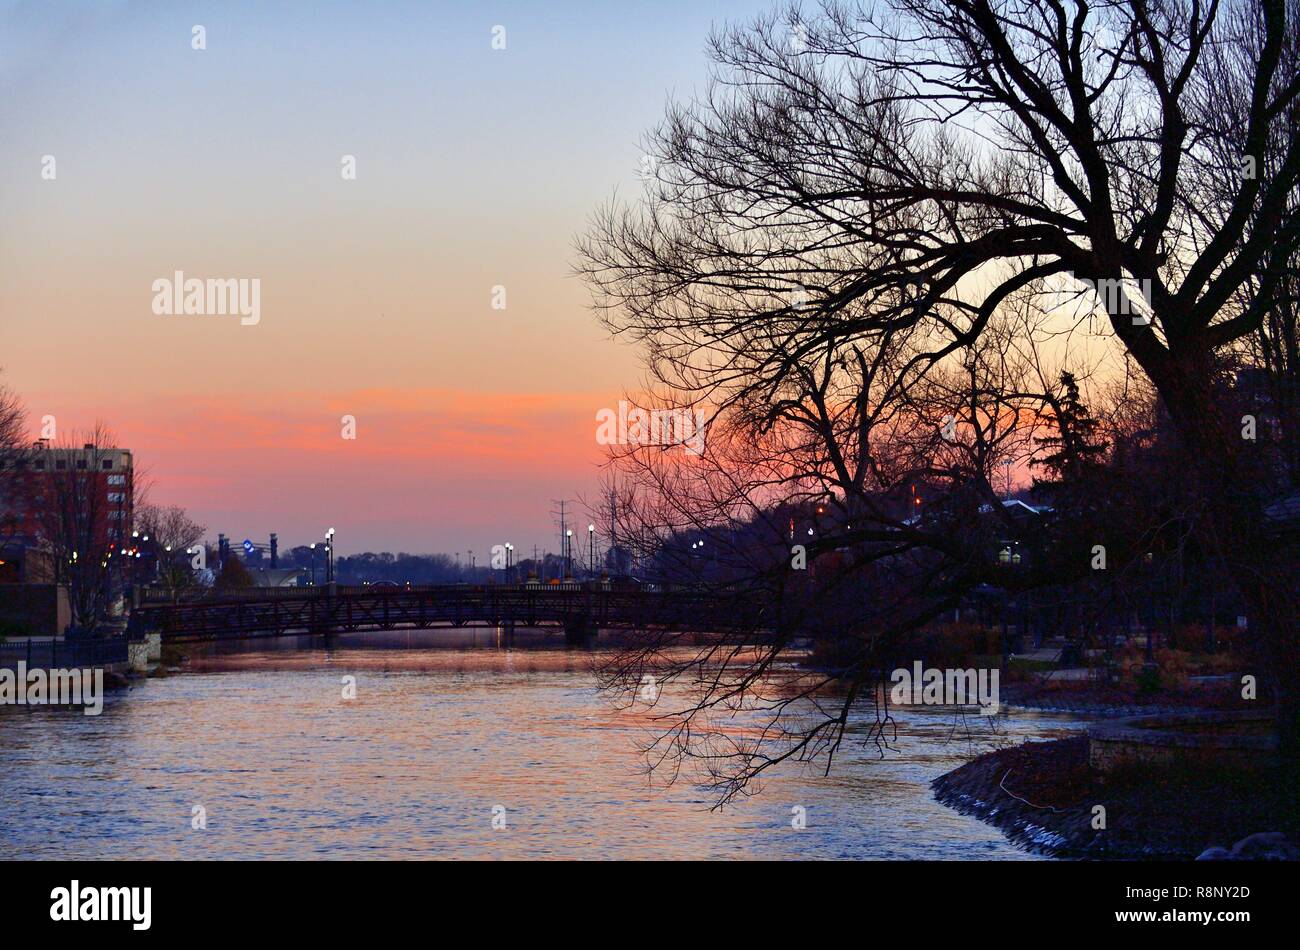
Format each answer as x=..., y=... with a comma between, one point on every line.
x=193, y=595
x=62, y=654
x=376, y=607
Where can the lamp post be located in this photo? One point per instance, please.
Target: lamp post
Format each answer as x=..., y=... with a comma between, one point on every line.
x=591, y=549
x=696, y=564
x=329, y=556
x=568, y=554
x=313, y=565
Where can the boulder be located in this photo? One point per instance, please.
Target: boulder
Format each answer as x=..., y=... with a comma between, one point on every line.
x=1264, y=846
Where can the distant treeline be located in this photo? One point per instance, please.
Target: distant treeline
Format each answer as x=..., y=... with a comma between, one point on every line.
x=371, y=567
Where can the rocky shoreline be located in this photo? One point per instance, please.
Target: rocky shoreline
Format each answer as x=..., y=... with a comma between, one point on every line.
x=1045, y=799
x=978, y=789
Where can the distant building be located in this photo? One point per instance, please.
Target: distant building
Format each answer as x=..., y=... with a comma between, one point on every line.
x=277, y=576
x=32, y=482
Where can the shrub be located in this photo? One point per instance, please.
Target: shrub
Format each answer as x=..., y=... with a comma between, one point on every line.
x=1170, y=670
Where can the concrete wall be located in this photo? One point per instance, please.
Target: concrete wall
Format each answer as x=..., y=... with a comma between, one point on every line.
x=137, y=656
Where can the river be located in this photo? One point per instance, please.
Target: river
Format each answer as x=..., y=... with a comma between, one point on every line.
x=256, y=754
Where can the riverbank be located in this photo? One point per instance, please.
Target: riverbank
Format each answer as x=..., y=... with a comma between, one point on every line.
x=1044, y=797
x=1098, y=701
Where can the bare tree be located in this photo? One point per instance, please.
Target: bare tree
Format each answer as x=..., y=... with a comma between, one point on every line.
x=840, y=230
x=84, y=521
x=12, y=418
x=12, y=453
x=175, y=536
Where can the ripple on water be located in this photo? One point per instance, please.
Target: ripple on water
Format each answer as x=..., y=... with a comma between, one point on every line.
x=415, y=766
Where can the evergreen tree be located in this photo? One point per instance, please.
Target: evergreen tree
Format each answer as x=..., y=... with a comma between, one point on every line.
x=1076, y=451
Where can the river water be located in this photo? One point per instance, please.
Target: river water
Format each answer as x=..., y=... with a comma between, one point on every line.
x=262, y=752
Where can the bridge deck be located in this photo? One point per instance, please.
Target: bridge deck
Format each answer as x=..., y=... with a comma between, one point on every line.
x=572, y=607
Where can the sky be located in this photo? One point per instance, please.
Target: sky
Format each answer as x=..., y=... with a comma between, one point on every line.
x=475, y=169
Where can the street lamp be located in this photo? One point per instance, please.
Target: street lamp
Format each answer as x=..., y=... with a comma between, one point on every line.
x=329, y=556
x=591, y=548
x=568, y=555
x=313, y=564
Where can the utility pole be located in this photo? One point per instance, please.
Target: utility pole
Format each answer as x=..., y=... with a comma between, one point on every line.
x=613, y=533
x=562, y=514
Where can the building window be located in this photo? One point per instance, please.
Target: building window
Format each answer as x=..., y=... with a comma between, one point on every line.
x=116, y=496
x=61, y=464
x=108, y=463
x=117, y=479
x=81, y=463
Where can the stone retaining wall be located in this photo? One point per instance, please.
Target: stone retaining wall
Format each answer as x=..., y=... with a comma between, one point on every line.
x=1216, y=739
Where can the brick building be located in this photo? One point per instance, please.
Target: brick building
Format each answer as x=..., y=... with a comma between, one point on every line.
x=60, y=497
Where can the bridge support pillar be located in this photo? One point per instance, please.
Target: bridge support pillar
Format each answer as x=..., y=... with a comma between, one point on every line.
x=578, y=632
x=506, y=634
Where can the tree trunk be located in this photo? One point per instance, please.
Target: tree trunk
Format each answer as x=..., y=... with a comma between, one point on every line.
x=1234, y=527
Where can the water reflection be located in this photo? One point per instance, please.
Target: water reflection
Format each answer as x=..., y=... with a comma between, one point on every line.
x=436, y=737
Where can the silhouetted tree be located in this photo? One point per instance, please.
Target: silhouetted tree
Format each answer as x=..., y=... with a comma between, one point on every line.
x=174, y=536
x=84, y=524
x=839, y=237
x=233, y=576
x=1076, y=448
x=12, y=454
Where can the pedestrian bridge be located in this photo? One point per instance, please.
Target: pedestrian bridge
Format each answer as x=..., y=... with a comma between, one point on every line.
x=578, y=609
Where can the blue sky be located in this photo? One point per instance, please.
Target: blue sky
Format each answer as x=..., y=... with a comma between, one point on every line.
x=475, y=168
